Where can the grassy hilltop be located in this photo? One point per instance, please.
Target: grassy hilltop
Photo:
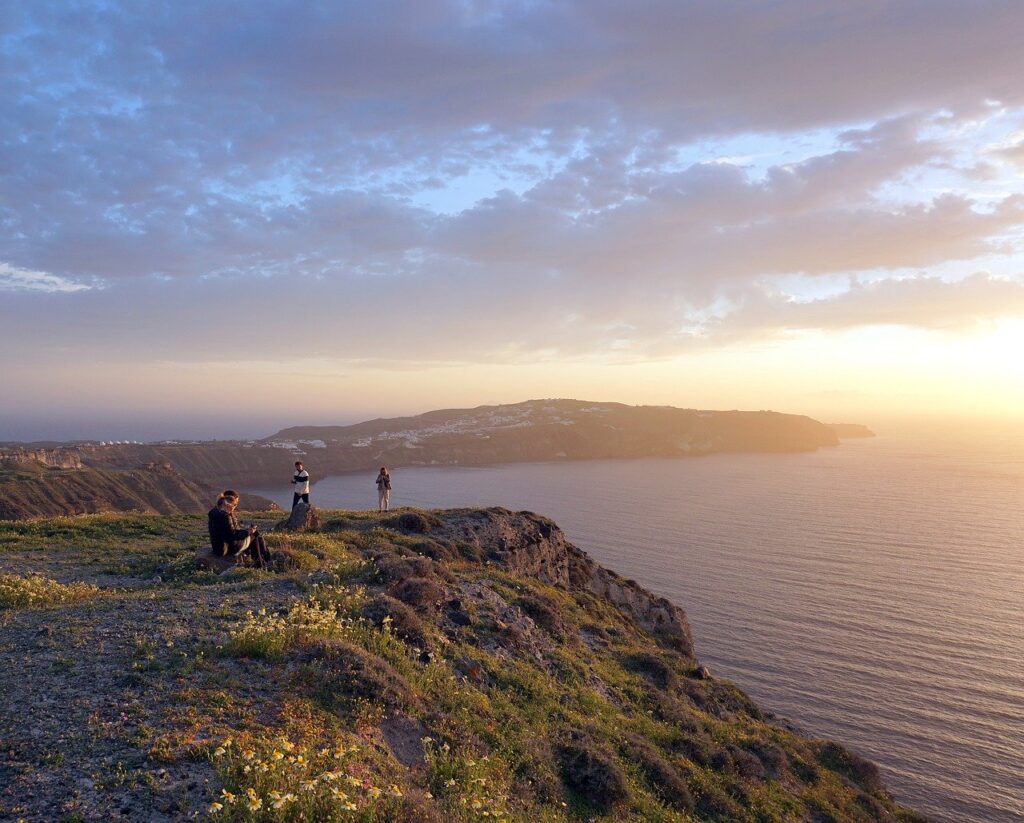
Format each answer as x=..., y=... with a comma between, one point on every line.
x=465, y=665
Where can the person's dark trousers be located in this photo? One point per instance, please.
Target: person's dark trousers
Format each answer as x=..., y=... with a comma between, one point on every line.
x=260, y=553
x=296, y=497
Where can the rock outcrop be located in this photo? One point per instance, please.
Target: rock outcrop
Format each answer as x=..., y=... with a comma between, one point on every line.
x=59, y=458
x=533, y=546
x=303, y=517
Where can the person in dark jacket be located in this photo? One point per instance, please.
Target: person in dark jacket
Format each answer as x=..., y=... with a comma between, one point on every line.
x=227, y=539
x=383, y=489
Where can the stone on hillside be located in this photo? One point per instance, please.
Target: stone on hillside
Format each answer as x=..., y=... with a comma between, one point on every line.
x=216, y=564
x=302, y=518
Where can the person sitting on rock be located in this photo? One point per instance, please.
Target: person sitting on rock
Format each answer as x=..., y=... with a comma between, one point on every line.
x=227, y=539
x=301, y=483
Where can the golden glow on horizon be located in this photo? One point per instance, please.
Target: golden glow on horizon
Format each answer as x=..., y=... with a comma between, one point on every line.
x=855, y=376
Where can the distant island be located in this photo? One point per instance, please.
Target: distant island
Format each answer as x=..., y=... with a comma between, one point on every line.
x=181, y=476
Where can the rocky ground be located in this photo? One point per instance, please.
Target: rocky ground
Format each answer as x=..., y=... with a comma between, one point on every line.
x=459, y=665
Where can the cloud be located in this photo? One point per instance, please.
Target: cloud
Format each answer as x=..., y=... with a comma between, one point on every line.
x=258, y=166
x=24, y=280
x=918, y=302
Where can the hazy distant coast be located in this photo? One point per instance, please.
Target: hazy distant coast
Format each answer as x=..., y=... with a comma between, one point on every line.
x=178, y=476
x=850, y=431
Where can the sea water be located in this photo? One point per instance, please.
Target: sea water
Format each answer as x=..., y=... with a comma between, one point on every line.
x=871, y=593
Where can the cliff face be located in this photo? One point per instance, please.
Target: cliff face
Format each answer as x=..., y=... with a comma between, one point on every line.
x=31, y=490
x=220, y=464
x=59, y=458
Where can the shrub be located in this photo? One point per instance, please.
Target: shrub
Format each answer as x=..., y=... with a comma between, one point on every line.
x=661, y=776
x=720, y=698
x=771, y=756
x=435, y=550
x=394, y=569
x=654, y=668
x=711, y=802
x=805, y=771
x=543, y=614
x=746, y=764
x=418, y=591
x=25, y=592
x=592, y=772
x=469, y=551
x=416, y=522
x=698, y=747
x=851, y=766
x=343, y=675
x=403, y=620
x=287, y=559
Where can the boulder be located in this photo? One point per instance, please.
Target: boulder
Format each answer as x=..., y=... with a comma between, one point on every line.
x=302, y=518
x=218, y=565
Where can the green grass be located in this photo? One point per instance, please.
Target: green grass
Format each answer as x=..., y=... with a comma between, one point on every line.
x=288, y=664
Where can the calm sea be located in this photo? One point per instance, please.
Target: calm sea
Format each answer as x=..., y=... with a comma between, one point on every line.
x=871, y=593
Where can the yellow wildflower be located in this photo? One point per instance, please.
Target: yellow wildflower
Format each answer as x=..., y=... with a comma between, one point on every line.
x=255, y=804
x=355, y=781
x=374, y=792
x=219, y=751
x=277, y=756
x=215, y=807
x=230, y=798
x=394, y=791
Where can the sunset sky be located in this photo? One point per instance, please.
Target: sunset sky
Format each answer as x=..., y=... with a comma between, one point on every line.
x=218, y=219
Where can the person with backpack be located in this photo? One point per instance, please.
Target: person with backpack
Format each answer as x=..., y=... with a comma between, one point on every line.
x=301, y=483
x=383, y=489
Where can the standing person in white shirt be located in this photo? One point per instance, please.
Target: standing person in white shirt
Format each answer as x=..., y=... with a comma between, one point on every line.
x=383, y=489
x=301, y=483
